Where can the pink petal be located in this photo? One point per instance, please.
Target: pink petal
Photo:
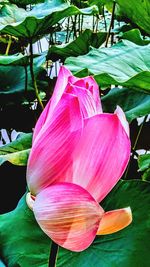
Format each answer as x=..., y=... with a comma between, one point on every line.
x=86, y=100
x=41, y=120
x=50, y=156
x=101, y=155
x=60, y=86
x=90, y=84
x=68, y=214
x=114, y=221
x=59, y=89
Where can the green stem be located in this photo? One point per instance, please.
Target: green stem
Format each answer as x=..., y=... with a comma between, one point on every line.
x=134, y=146
x=8, y=46
x=111, y=24
x=33, y=77
x=139, y=132
x=53, y=255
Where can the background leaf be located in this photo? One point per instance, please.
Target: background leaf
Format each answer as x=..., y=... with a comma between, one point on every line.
x=134, y=36
x=125, y=64
x=33, y=24
x=135, y=103
x=15, y=60
x=144, y=165
x=138, y=11
x=26, y=245
x=144, y=162
x=16, y=85
x=79, y=46
x=17, y=152
x=22, y=245
x=118, y=249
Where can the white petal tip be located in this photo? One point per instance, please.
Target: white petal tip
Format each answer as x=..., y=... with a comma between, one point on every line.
x=29, y=200
x=121, y=115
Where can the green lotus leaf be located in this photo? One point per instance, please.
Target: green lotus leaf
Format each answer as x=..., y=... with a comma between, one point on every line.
x=17, y=152
x=144, y=166
x=15, y=60
x=135, y=103
x=125, y=64
x=144, y=162
x=37, y=22
x=15, y=81
x=137, y=11
x=135, y=36
x=27, y=245
x=127, y=248
x=79, y=46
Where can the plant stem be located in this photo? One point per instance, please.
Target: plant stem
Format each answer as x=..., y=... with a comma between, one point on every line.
x=53, y=255
x=111, y=24
x=139, y=132
x=8, y=46
x=134, y=146
x=33, y=77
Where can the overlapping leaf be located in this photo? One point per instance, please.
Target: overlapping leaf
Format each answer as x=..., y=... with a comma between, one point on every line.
x=28, y=246
x=118, y=249
x=138, y=11
x=80, y=46
x=37, y=22
x=144, y=166
x=135, y=36
x=15, y=80
x=17, y=152
x=124, y=64
x=15, y=60
x=135, y=103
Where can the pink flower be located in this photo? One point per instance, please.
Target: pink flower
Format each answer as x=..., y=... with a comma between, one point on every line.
x=78, y=155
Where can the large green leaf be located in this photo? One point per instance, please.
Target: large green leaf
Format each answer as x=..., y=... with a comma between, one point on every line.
x=127, y=248
x=124, y=64
x=135, y=36
x=22, y=243
x=17, y=152
x=37, y=22
x=26, y=245
x=16, y=84
x=144, y=165
x=144, y=162
x=135, y=103
x=80, y=46
x=138, y=11
x=15, y=60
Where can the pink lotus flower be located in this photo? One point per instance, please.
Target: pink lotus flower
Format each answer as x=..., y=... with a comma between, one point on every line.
x=78, y=155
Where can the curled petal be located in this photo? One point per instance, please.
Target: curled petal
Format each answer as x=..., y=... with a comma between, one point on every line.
x=68, y=214
x=60, y=86
x=30, y=200
x=51, y=152
x=86, y=100
x=122, y=119
x=90, y=84
x=114, y=221
x=101, y=155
